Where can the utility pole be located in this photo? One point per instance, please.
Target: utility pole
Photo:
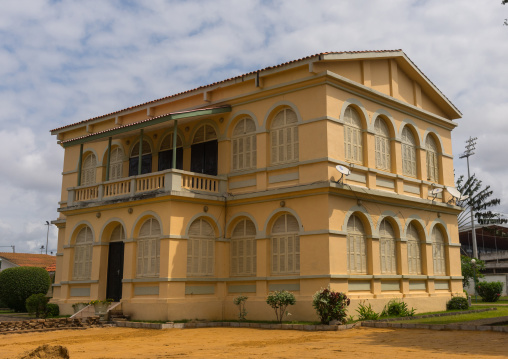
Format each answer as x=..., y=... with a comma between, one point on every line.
x=47, y=236
x=470, y=147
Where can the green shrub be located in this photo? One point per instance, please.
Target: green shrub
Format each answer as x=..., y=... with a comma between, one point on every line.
x=489, y=291
x=397, y=308
x=36, y=304
x=457, y=303
x=240, y=303
x=365, y=312
x=52, y=310
x=279, y=301
x=330, y=305
x=19, y=283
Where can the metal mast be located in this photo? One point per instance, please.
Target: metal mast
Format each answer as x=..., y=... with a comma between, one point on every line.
x=470, y=147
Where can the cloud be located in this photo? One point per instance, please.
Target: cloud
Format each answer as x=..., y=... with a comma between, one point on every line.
x=63, y=62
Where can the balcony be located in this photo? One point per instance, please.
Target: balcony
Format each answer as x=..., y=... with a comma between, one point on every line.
x=168, y=181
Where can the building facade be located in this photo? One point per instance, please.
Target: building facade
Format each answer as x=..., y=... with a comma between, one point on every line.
x=176, y=206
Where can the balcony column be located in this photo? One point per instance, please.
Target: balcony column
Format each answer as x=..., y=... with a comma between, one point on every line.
x=140, y=155
x=108, y=161
x=175, y=137
x=80, y=160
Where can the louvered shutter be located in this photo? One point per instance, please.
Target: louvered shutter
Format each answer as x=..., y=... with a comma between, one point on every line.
x=414, y=250
x=275, y=254
x=432, y=163
x=88, y=170
x=438, y=252
x=285, y=245
x=388, y=248
x=284, y=137
x=356, y=251
x=200, y=249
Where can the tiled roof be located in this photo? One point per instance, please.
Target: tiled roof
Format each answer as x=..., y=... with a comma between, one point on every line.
x=30, y=260
x=226, y=80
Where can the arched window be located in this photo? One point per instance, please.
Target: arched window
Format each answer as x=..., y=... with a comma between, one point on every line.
x=200, y=249
x=146, y=159
x=382, y=145
x=149, y=249
x=438, y=252
x=284, y=137
x=116, y=164
x=285, y=245
x=356, y=246
x=387, y=248
x=166, y=153
x=414, y=250
x=244, y=145
x=353, y=136
x=243, y=249
x=83, y=254
x=204, y=151
x=432, y=160
x=408, y=153
x=118, y=234
x=88, y=170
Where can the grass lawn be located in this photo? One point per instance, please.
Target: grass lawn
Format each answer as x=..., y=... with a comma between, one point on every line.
x=500, y=312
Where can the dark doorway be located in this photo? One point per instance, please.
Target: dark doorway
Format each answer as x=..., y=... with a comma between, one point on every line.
x=115, y=271
x=204, y=157
x=166, y=159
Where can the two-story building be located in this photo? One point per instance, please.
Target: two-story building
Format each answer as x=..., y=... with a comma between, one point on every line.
x=176, y=206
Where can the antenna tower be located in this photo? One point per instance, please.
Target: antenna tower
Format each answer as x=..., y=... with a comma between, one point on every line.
x=470, y=147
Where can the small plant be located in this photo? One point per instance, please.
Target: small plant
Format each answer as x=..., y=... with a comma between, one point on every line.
x=330, y=305
x=489, y=291
x=78, y=306
x=240, y=303
x=36, y=304
x=365, y=312
x=397, y=308
x=457, y=303
x=105, y=301
x=279, y=301
x=52, y=310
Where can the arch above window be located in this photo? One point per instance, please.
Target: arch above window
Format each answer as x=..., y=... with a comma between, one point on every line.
x=204, y=133
x=285, y=244
x=118, y=234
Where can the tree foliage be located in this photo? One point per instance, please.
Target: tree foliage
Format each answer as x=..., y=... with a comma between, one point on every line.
x=330, y=305
x=279, y=301
x=480, y=200
x=19, y=283
x=469, y=271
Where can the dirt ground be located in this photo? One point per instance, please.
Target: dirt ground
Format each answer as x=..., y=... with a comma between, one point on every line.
x=255, y=343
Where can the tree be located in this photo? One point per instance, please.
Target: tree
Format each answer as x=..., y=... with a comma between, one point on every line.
x=469, y=271
x=479, y=200
x=19, y=283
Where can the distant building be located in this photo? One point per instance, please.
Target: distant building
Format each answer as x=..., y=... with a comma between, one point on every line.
x=176, y=206
x=9, y=260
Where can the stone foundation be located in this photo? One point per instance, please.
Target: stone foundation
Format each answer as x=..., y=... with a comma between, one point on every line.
x=47, y=324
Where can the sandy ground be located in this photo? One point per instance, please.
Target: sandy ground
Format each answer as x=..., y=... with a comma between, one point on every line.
x=255, y=343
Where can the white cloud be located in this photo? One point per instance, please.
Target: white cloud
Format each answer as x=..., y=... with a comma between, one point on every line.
x=63, y=62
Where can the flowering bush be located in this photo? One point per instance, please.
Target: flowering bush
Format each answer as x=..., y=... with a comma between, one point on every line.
x=489, y=291
x=106, y=301
x=279, y=301
x=330, y=305
x=240, y=302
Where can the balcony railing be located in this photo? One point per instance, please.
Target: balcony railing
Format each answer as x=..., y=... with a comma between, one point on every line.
x=165, y=181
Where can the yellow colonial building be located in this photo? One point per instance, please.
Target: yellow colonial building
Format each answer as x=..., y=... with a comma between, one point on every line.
x=176, y=206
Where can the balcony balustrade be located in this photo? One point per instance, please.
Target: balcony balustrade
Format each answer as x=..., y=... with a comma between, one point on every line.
x=164, y=181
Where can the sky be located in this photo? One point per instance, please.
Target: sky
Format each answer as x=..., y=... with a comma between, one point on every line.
x=62, y=62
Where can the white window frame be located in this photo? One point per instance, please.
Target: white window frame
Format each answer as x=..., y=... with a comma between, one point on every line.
x=148, y=251
x=201, y=250
x=432, y=160
x=285, y=247
x=414, y=250
x=438, y=252
x=353, y=137
x=387, y=248
x=83, y=253
x=284, y=137
x=356, y=246
x=89, y=170
x=408, y=153
x=243, y=146
x=243, y=250
x=382, y=148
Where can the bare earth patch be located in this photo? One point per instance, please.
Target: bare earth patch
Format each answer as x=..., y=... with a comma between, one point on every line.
x=255, y=343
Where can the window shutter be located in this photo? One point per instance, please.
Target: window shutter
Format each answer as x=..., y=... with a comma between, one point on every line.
x=275, y=255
